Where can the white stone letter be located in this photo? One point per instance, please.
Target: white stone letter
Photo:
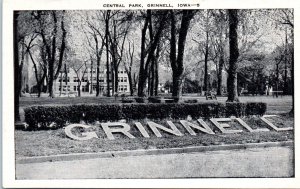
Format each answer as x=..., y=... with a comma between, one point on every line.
x=205, y=129
x=272, y=125
x=85, y=136
x=224, y=125
x=244, y=124
x=109, y=130
x=173, y=129
x=142, y=129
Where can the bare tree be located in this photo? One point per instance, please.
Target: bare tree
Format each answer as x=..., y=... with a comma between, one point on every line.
x=46, y=19
x=80, y=71
x=128, y=65
x=40, y=67
x=120, y=27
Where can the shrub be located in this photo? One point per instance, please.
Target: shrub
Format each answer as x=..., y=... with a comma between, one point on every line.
x=191, y=101
x=154, y=99
x=41, y=117
x=139, y=99
x=127, y=100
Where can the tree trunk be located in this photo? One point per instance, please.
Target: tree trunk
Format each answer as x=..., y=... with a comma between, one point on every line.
x=233, y=56
x=177, y=85
x=285, y=84
x=16, y=65
x=62, y=46
x=52, y=57
x=206, y=88
x=60, y=91
x=142, y=80
x=98, y=67
x=277, y=79
x=156, y=81
x=221, y=65
x=107, y=52
x=92, y=62
x=130, y=83
x=292, y=74
x=79, y=90
x=177, y=62
x=152, y=78
x=21, y=67
x=116, y=78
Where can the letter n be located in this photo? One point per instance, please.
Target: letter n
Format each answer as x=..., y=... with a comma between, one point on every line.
x=173, y=129
x=205, y=128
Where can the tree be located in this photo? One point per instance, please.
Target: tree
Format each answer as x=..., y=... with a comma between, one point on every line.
x=97, y=47
x=47, y=26
x=219, y=45
x=107, y=17
x=285, y=18
x=233, y=56
x=121, y=23
x=40, y=68
x=177, y=51
x=16, y=65
x=80, y=71
x=129, y=67
x=154, y=23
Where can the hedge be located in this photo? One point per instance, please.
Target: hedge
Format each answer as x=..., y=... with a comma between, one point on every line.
x=42, y=117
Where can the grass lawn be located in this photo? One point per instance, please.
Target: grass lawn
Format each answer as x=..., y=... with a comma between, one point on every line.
x=53, y=142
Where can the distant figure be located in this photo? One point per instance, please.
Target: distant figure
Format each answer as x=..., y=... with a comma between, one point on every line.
x=270, y=90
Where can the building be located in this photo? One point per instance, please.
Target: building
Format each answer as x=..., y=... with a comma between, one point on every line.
x=87, y=76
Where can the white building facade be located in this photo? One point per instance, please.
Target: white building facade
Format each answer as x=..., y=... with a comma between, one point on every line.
x=70, y=84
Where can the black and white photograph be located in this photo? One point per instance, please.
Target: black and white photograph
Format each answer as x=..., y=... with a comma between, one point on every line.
x=150, y=91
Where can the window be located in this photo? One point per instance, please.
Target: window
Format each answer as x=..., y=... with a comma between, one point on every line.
x=85, y=79
x=121, y=88
x=125, y=88
x=66, y=88
x=75, y=88
x=94, y=87
x=75, y=79
x=85, y=88
x=122, y=79
x=101, y=79
x=125, y=79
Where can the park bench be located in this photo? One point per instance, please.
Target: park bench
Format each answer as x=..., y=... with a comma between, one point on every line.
x=34, y=95
x=68, y=94
x=210, y=95
x=72, y=94
x=276, y=93
x=126, y=99
x=169, y=99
